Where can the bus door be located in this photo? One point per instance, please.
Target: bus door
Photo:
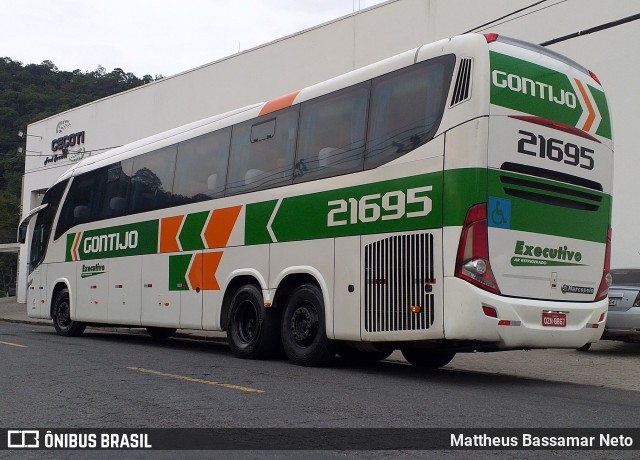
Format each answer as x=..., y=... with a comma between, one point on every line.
x=92, y=286
x=161, y=287
x=125, y=279
x=36, y=293
x=191, y=296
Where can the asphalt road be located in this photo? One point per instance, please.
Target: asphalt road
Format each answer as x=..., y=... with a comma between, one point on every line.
x=109, y=379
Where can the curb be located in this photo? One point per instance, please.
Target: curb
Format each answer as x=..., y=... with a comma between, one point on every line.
x=124, y=330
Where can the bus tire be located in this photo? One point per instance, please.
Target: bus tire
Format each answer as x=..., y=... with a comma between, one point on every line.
x=161, y=333
x=427, y=359
x=253, y=331
x=304, y=333
x=62, y=321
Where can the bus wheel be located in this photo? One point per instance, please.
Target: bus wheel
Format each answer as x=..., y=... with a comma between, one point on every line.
x=427, y=359
x=62, y=317
x=161, y=333
x=253, y=331
x=304, y=334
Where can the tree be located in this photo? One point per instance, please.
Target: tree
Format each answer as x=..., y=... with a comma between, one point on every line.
x=29, y=93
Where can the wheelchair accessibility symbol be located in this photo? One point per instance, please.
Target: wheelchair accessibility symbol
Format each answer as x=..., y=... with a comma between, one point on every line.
x=499, y=213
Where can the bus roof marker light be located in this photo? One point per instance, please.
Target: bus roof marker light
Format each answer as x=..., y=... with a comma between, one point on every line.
x=595, y=77
x=491, y=37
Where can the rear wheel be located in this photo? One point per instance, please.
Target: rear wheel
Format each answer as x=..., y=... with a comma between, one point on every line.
x=253, y=331
x=427, y=359
x=62, y=321
x=161, y=333
x=304, y=334
x=584, y=347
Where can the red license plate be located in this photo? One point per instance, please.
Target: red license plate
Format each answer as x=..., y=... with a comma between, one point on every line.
x=554, y=319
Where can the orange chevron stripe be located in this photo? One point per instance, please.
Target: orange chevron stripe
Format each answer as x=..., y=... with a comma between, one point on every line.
x=169, y=227
x=74, y=249
x=220, y=226
x=592, y=113
x=202, y=273
x=195, y=272
x=278, y=104
x=210, y=263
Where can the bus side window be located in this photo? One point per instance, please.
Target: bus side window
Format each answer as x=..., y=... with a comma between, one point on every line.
x=84, y=200
x=262, y=152
x=152, y=180
x=201, y=167
x=332, y=130
x=116, y=197
x=406, y=109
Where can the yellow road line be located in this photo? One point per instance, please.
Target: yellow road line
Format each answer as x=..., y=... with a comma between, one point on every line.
x=13, y=344
x=191, y=379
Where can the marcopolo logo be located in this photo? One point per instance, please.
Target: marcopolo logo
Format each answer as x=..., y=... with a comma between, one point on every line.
x=569, y=289
x=531, y=255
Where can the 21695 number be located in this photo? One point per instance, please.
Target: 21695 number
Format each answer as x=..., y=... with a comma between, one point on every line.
x=555, y=150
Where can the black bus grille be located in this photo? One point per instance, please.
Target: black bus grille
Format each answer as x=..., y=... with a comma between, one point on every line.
x=399, y=275
x=461, y=91
x=557, y=193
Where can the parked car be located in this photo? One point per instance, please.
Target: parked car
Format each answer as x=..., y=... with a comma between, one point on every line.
x=623, y=318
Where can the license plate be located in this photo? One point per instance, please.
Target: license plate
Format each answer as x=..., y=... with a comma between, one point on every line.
x=554, y=319
x=613, y=302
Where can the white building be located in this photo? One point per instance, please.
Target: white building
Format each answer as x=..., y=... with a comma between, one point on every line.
x=319, y=53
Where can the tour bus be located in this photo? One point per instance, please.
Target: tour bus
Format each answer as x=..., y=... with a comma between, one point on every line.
x=452, y=198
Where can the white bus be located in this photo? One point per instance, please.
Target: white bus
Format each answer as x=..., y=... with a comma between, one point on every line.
x=453, y=198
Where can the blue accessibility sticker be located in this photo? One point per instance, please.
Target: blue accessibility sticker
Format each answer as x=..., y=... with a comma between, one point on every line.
x=499, y=212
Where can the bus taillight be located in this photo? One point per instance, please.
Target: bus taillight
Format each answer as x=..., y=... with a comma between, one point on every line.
x=603, y=289
x=472, y=263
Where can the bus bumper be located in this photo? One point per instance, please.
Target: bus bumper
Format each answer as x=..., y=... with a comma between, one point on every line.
x=519, y=322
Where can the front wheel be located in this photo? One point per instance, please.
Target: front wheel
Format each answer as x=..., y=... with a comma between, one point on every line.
x=62, y=321
x=427, y=359
x=253, y=331
x=304, y=333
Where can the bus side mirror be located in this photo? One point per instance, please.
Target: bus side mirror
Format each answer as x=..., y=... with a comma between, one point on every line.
x=24, y=223
x=22, y=232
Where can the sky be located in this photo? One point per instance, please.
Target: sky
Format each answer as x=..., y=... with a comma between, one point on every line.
x=153, y=37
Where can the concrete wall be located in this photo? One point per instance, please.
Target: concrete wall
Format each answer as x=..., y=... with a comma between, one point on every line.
x=320, y=53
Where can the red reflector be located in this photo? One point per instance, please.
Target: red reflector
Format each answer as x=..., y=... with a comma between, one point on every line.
x=490, y=311
x=603, y=289
x=492, y=38
x=504, y=322
x=602, y=316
